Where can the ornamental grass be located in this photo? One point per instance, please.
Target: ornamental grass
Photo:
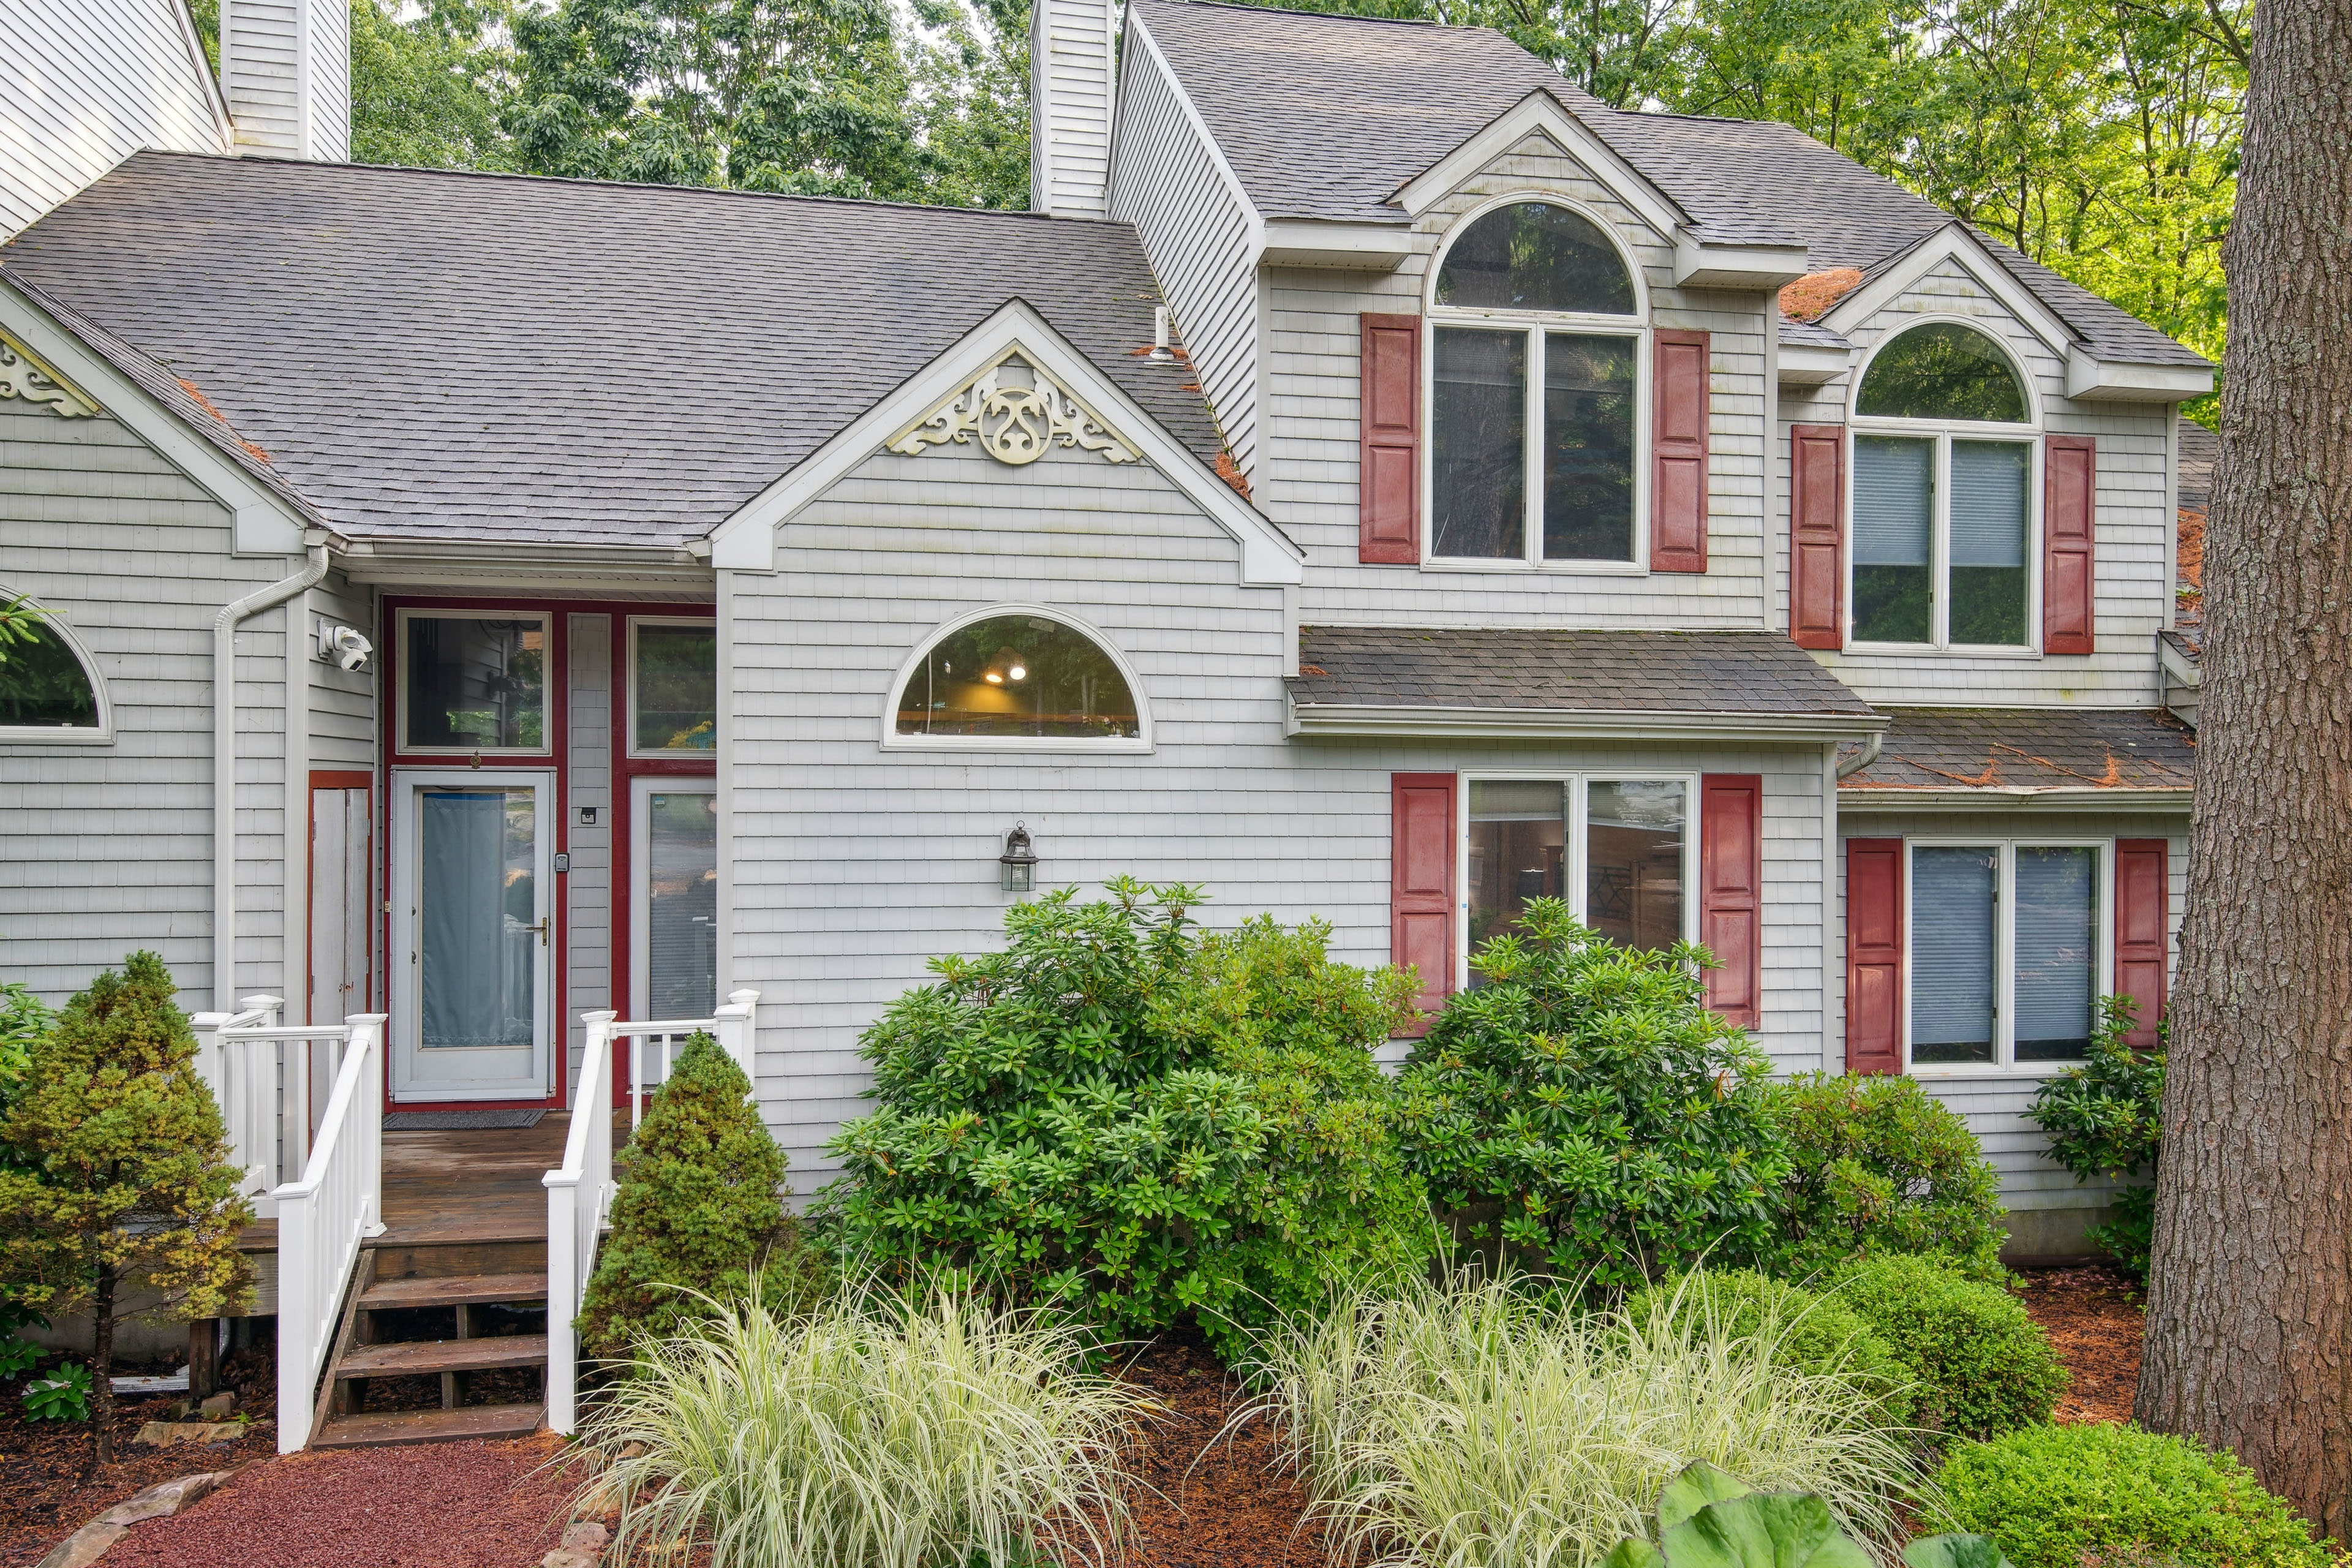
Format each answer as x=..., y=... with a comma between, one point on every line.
x=871, y=1430
x=1483, y=1422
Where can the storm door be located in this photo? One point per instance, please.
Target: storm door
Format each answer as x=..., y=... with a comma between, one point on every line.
x=673, y=906
x=471, y=950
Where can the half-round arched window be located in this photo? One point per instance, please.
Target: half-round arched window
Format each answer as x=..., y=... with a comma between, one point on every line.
x=1942, y=371
x=1536, y=255
x=1019, y=676
x=47, y=691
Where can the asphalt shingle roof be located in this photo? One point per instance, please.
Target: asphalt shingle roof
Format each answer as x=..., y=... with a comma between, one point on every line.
x=454, y=356
x=1326, y=116
x=1744, y=674
x=2031, y=748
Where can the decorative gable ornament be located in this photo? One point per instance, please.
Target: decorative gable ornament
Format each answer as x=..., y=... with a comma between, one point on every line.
x=1015, y=412
x=25, y=379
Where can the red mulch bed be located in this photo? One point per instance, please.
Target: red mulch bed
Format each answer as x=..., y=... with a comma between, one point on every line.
x=1212, y=1505
x=2093, y=1316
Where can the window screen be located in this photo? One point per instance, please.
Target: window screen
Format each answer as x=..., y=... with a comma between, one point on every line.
x=1479, y=418
x=2057, y=951
x=1988, y=523
x=1952, y=932
x=1893, y=518
x=1588, y=457
x=1634, y=860
x=1518, y=847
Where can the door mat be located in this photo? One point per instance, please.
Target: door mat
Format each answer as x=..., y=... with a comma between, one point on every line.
x=458, y=1121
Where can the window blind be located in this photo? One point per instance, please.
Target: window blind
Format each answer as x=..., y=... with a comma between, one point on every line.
x=2057, y=951
x=1894, y=491
x=1952, y=927
x=1989, y=503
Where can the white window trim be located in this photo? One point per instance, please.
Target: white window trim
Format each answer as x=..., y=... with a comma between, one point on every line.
x=2004, y=1064
x=642, y=789
x=887, y=729
x=547, y=687
x=99, y=735
x=629, y=680
x=1573, y=861
x=1943, y=432
x=1533, y=325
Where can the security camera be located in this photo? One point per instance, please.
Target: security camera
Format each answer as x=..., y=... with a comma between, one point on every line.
x=344, y=645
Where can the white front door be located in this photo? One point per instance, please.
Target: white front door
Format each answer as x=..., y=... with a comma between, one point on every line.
x=472, y=955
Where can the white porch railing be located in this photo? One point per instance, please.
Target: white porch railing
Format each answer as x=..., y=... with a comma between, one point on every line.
x=324, y=1217
x=580, y=1192
x=263, y=1090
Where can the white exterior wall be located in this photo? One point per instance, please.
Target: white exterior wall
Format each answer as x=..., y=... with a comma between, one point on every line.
x=85, y=84
x=2133, y=581
x=1201, y=234
x=1313, y=415
x=285, y=67
x=853, y=864
x=1993, y=1101
x=109, y=846
x=1072, y=63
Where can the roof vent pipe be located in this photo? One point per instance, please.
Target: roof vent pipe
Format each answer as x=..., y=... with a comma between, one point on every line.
x=1161, y=352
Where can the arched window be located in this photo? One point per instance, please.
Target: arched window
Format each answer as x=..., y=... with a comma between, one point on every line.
x=1535, y=357
x=1942, y=371
x=1018, y=675
x=45, y=690
x=1943, y=510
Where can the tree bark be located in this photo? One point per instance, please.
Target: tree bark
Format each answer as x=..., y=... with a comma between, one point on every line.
x=101, y=1365
x=2250, y=1306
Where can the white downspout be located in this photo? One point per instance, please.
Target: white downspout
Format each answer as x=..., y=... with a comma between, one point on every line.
x=224, y=758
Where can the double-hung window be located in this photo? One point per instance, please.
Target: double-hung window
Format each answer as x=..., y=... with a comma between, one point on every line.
x=1535, y=356
x=1620, y=850
x=1944, y=516
x=2008, y=951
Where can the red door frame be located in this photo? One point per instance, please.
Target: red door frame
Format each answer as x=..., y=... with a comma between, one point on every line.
x=623, y=770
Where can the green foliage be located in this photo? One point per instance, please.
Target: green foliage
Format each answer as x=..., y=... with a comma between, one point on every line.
x=1819, y=1335
x=1708, y=1520
x=1878, y=1165
x=1977, y=1364
x=2055, y=1497
x=2105, y=1121
x=940, y=1433
x=423, y=90
x=63, y=1395
x=1476, y=1422
x=1138, y=1120
x=25, y=1022
x=699, y=1220
x=18, y=1356
x=1586, y=1096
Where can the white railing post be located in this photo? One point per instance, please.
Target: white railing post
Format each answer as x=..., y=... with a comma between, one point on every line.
x=737, y=1021
x=576, y=1195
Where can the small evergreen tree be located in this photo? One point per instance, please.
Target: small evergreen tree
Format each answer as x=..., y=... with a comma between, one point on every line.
x=700, y=1205
x=127, y=1184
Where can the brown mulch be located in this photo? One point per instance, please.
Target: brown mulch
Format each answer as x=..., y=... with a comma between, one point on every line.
x=47, y=1488
x=1230, y=1504
x=427, y=1505
x=2093, y=1316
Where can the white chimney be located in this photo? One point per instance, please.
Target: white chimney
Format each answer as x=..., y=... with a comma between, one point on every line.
x=285, y=70
x=1073, y=69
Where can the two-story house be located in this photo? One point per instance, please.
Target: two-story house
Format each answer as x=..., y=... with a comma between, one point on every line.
x=1379, y=482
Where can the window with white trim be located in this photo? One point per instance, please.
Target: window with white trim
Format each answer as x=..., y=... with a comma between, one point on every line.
x=2008, y=950
x=673, y=685
x=45, y=690
x=1621, y=850
x=1536, y=364
x=1018, y=676
x=1945, y=514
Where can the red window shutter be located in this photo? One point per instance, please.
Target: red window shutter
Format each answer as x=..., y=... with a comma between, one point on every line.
x=1421, y=883
x=1731, y=892
x=1817, y=535
x=2069, y=504
x=1389, y=482
x=1873, y=956
x=2142, y=901
x=1679, y=452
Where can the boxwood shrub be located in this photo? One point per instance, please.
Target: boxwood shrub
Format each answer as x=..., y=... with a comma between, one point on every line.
x=1978, y=1366
x=2056, y=1497
x=1815, y=1333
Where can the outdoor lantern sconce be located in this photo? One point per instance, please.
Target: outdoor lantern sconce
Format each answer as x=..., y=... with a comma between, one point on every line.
x=1017, y=866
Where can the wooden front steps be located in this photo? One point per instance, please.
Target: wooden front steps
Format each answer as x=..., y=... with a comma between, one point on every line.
x=426, y=1302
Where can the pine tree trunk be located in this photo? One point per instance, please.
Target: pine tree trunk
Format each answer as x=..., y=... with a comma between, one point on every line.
x=2249, y=1307
x=101, y=1365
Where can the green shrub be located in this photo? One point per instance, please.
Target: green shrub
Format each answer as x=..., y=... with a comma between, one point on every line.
x=1978, y=1365
x=1819, y=1335
x=1708, y=1520
x=1137, y=1120
x=25, y=1021
x=1473, y=1422
x=1877, y=1165
x=940, y=1434
x=63, y=1395
x=1587, y=1099
x=2105, y=1121
x=699, y=1206
x=2055, y=1497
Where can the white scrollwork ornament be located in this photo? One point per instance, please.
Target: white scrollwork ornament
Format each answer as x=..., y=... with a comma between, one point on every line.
x=1014, y=424
x=26, y=380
